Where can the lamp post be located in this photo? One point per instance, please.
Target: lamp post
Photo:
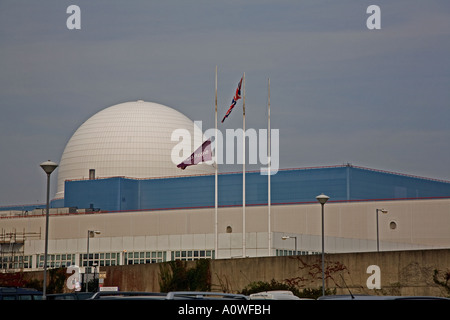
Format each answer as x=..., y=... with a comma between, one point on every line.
x=124, y=257
x=322, y=200
x=289, y=237
x=90, y=233
x=48, y=167
x=378, y=238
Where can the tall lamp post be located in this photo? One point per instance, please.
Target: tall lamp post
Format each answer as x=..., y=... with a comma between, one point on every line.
x=90, y=234
x=295, y=239
x=48, y=167
x=378, y=238
x=322, y=200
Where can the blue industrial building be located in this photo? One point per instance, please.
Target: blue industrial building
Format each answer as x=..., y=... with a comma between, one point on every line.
x=289, y=186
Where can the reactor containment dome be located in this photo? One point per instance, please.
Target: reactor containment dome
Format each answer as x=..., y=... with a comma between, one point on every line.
x=131, y=139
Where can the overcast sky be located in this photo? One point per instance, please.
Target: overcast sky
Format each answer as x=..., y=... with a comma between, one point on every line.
x=340, y=93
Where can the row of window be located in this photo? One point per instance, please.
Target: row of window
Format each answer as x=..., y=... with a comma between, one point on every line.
x=280, y=252
x=103, y=259
x=115, y=258
x=145, y=257
x=16, y=262
x=56, y=260
x=100, y=259
x=188, y=255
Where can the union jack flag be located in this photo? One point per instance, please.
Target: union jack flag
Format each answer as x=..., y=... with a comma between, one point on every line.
x=236, y=97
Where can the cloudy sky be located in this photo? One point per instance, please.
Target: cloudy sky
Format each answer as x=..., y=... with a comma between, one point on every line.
x=340, y=93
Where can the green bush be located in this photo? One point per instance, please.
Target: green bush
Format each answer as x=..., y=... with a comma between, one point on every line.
x=174, y=276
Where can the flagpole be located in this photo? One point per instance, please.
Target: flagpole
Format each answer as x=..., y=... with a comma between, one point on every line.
x=215, y=182
x=243, y=173
x=269, y=153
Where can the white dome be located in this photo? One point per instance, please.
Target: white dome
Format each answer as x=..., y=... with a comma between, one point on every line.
x=131, y=139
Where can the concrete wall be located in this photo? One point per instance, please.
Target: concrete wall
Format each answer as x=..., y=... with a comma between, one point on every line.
x=401, y=272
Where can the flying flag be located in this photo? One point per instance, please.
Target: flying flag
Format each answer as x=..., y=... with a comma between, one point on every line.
x=236, y=97
x=202, y=154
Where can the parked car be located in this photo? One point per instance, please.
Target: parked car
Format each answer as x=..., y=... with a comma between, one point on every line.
x=275, y=295
x=127, y=295
x=372, y=297
x=200, y=295
x=70, y=296
x=175, y=295
x=17, y=293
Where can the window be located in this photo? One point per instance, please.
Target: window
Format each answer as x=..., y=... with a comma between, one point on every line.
x=55, y=260
x=280, y=252
x=393, y=225
x=144, y=257
x=16, y=262
x=104, y=259
x=189, y=255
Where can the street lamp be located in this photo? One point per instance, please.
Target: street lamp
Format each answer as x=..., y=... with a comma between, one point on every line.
x=48, y=167
x=322, y=200
x=289, y=237
x=90, y=234
x=378, y=239
x=124, y=257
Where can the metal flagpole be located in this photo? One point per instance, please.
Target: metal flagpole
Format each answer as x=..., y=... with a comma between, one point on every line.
x=269, y=154
x=216, y=191
x=243, y=171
